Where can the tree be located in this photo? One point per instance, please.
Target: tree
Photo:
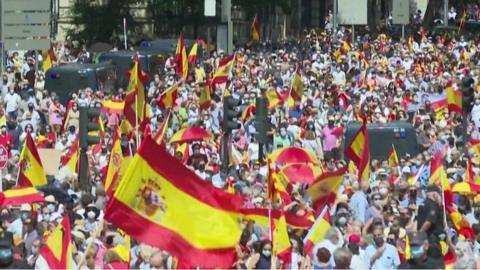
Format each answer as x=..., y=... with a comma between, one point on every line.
x=100, y=23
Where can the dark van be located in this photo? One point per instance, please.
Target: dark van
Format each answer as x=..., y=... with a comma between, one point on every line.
x=381, y=137
x=67, y=79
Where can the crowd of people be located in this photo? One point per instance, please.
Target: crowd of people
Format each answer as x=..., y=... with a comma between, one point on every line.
x=373, y=223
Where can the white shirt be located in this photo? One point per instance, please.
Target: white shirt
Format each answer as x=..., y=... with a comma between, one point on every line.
x=12, y=102
x=324, y=244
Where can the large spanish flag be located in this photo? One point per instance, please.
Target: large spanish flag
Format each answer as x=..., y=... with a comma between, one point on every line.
x=31, y=168
x=223, y=71
x=192, y=56
x=317, y=232
x=296, y=91
x=162, y=203
x=135, y=109
x=114, y=164
x=167, y=99
x=162, y=130
x=454, y=98
x=48, y=59
x=58, y=250
x=18, y=196
x=324, y=189
x=359, y=152
x=181, y=58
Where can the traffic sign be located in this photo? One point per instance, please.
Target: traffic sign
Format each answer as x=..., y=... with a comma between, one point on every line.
x=3, y=157
x=401, y=12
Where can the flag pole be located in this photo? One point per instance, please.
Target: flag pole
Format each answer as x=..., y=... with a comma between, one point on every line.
x=125, y=32
x=136, y=122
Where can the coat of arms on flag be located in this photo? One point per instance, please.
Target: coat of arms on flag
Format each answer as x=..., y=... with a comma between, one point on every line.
x=150, y=201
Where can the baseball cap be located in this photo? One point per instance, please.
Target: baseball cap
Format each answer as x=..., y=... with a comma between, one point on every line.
x=354, y=239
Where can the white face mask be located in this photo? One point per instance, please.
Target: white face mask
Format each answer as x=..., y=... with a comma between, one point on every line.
x=35, y=250
x=91, y=215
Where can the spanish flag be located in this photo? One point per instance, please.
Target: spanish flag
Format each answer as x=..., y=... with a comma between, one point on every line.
x=410, y=43
x=110, y=106
x=192, y=56
x=248, y=113
x=255, y=30
x=70, y=160
x=205, y=100
x=278, y=186
x=281, y=247
x=162, y=203
x=454, y=98
x=48, y=59
x=181, y=58
x=223, y=71
x=274, y=98
x=162, y=130
x=462, y=21
x=296, y=91
x=135, y=109
x=440, y=107
x=167, y=99
x=346, y=46
x=475, y=144
x=58, y=251
x=359, y=152
x=114, y=164
x=317, y=232
x=393, y=158
x=18, y=196
x=324, y=189
x=437, y=171
x=31, y=168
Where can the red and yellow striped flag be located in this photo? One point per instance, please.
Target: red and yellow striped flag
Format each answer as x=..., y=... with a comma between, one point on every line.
x=192, y=56
x=274, y=98
x=410, y=43
x=135, y=108
x=281, y=247
x=181, y=58
x=18, y=196
x=324, y=189
x=437, y=171
x=393, y=158
x=255, y=30
x=162, y=203
x=167, y=99
x=248, y=113
x=454, y=99
x=223, y=71
x=110, y=106
x=31, y=168
x=475, y=145
x=296, y=91
x=58, y=250
x=114, y=164
x=71, y=158
x=48, y=59
x=346, y=45
x=359, y=152
x=162, y=130
x=205, y=100
x=317, y=232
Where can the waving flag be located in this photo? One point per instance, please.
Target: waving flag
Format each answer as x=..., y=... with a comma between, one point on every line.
x=181, y=58
x=324, y=189
x=475, y=145
x=162, y=130
x=346, y=45
x=18, y=196
x=454, y=98
x=437, y=170
x=393, y=158
x=223, y=71
x=57, y=251
x=110, y=106
x=296, y=90
x=192, y=56
x=135, y=108
x=48, y=59
x=31, y=168
x=249, y=112
x=114, y=164
x=359, y=152
x=70, y=159
x=255, y=29
x=274, y=98
x=167, y=99
x=317, y=232
x=205, y=100
x=410, y=43
x=281, y=247
x=162, y=203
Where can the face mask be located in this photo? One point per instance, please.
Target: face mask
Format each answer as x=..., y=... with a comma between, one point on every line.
x=46, y=217
x=383, y=191
x=342, y=221
x=266, y=253
x=35, y=250
x=51, y=207
x=91, y=215
x=24, y=215
x=442, y=237
x=477, y=102
x=378, y=202
x=416, y=251
x=283, y=133
x=4, y=130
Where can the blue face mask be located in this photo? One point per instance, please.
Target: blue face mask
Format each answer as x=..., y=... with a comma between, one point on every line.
x=417, y=251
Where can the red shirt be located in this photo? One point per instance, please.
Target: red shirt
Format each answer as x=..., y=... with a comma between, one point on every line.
x=7, y=141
